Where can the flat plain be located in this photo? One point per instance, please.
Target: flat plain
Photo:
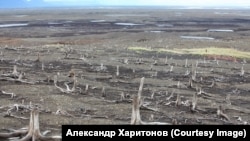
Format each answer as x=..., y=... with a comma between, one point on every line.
x=187, y=57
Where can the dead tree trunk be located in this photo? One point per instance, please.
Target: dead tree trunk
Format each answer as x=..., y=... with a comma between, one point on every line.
x=136, y=116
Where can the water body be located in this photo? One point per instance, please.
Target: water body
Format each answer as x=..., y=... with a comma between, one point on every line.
x=156, y=31
x=164, y=25
x=68, y=22
x=20, y=16
x=53, y=23
x=128, y=24
x=220, y=30
x=127, y=15
x=13, y=25
x=221, y=13
x=197, y=37
x=98, y=21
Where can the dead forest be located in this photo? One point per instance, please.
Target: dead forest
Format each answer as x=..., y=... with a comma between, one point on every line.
x=99, y=78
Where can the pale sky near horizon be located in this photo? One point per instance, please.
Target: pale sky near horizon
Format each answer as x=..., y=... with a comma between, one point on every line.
x=162, y=2
x=44, y=3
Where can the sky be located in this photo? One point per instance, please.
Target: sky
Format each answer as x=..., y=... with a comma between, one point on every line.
x=58, y=3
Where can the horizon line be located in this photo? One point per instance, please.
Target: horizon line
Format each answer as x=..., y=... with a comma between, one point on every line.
x=131, y=6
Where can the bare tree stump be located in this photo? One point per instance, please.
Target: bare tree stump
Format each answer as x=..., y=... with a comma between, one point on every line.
x=136, y=117
x=193, y=105
x=221, y=114
x=33, y=133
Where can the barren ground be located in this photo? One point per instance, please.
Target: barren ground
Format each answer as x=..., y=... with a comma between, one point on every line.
x=95, y=37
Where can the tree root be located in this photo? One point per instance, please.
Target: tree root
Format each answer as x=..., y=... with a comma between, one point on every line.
x=14, y=116
x=15, y=133
x=17, y=107
x=12, y=95
x=15, y=76
x=16, y=80
x=33, y=133
x=63, y=112
x=67, y=90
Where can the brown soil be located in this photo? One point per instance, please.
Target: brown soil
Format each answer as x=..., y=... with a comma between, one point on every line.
x=106, y=43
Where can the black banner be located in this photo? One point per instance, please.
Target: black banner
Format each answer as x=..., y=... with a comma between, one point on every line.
x=169, y=132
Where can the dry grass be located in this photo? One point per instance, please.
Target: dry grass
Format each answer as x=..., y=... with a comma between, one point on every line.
x=199, y=51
